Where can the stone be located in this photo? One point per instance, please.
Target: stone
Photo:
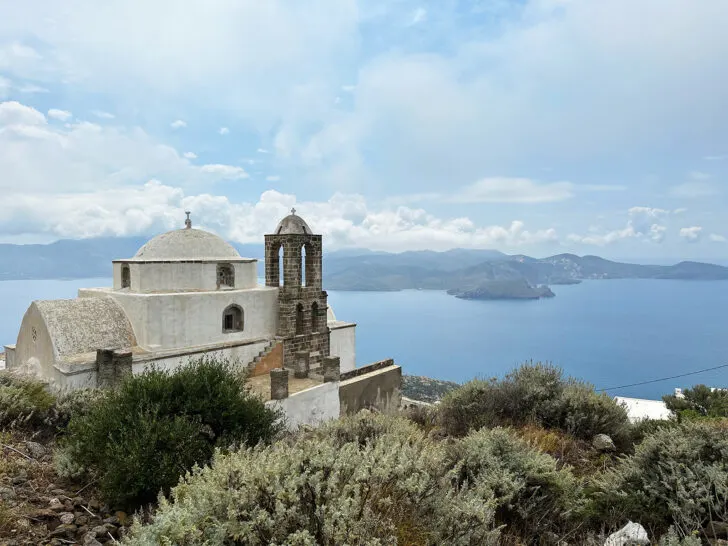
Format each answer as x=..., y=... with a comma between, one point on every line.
x=301, y=369
x=99, y=531
x=35, y=450
x=56, y=505
x=67, y=518
x=64, y=530
x=278, y=384
x=632, y=534
x=331, y=368
x=123, y=517
x=602, y=442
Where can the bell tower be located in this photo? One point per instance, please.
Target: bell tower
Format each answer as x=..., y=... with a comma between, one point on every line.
x=293, y=265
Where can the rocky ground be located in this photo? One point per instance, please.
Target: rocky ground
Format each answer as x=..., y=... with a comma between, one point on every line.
x=38, y=508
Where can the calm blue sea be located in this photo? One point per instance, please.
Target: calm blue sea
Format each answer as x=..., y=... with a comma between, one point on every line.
x=610, y=333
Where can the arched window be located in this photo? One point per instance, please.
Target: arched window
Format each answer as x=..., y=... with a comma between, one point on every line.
x=304, y=264
x=232, y=319
x=315, y=321
x=125, y=276
x=299, y=319
x=281, y=255
x=225, y=276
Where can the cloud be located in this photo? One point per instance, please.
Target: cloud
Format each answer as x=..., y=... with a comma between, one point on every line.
x=189, y=155
x=178, y=124
x=344, y=220
x=83, y=156
x=716, y=157
x=513, y=190
x=643, y=223
x=5, y=87
x=102, y=115
x=262, y=151
x=419, y=15
x=273, y=178
x=691, y=234
x=223, y=130
x=229, y=172
x=698, y=185
x=716, y=238
x=61, y=115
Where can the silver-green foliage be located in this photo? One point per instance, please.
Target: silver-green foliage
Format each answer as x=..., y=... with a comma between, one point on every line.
x=678, y=476
x=363, y=480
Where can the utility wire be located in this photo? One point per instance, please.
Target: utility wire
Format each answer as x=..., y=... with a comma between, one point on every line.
x=665, y=378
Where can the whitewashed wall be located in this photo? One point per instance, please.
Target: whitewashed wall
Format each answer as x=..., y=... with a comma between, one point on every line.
x=310, y=407
x=149, y=277
x=189, y=319
x=343, y=344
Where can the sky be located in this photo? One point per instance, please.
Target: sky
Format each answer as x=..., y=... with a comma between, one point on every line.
x=527, y=126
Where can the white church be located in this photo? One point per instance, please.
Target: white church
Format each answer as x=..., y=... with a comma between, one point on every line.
x=187, y=293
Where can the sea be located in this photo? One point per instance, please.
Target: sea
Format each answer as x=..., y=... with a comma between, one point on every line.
x=619, y=335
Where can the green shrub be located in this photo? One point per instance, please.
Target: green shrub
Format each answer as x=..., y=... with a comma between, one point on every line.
x=328, y=488
x=700, y=401
x=678, y=476
x=535, y=394
x=24, y=402
x=534, y=498
x=140, y=438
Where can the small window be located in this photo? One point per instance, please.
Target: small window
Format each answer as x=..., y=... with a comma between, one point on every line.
x=225, y=276
x=232, y=319
x=299, y=320
x=125, y=276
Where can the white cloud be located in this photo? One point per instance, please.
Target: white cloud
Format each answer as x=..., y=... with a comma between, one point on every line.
x=102, y=115
x=229, y=172
x=691, y=234
x=697, y=185
x=38, y=156
x=716, y=238
x=61, y=115
x=189, y=155
x=262, y=151
x=643, y=223
x=5, y=87
x=419, y=15
x=513, y=190
x=344, y=220
x=273, y=178
x=715, y=157
x=178, y=124
x=223, y=130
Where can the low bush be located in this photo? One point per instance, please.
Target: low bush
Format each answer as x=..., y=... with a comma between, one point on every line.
x=24, y=402
x=534, y=498
x=678, y=476
x=535, y=394
x=700, y=401
x=140, y=438
x=382, y=487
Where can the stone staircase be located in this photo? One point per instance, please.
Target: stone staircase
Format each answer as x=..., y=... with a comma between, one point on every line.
x=257, y=365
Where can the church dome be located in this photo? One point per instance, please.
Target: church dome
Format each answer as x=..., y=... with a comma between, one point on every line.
x=187, y=244
x=293, y=225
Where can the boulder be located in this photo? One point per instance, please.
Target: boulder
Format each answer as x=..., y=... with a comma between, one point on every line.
x=632, y=534
x=36, y=450
x=602, y=442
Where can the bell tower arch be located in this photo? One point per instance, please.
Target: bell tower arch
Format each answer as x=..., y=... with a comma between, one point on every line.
x=301, y=324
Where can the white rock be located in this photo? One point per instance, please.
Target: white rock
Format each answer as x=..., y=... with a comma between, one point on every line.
x=631, y=534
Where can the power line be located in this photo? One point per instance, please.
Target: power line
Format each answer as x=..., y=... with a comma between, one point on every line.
x=665, y=378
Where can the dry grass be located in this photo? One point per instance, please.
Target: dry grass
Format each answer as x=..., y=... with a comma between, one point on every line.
x=579, y=454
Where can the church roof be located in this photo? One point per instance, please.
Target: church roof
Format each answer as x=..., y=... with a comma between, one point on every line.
x=293, y=225
x=83, y=325
x=187, y=244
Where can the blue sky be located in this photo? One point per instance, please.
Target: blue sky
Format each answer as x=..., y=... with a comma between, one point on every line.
x=532, y=126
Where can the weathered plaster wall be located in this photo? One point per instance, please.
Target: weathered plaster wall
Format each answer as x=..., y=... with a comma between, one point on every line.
x=380, y=389
x=270, y=360
x=312, y=406
x=189, y=319
x=9, y=356
x=343, y=344
x=34, y=352
x=170, y=276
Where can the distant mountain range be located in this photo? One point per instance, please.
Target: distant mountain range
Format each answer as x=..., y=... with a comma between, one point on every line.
x=473, y=274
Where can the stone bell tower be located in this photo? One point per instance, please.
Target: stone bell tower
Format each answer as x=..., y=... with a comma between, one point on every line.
x=293, y=264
